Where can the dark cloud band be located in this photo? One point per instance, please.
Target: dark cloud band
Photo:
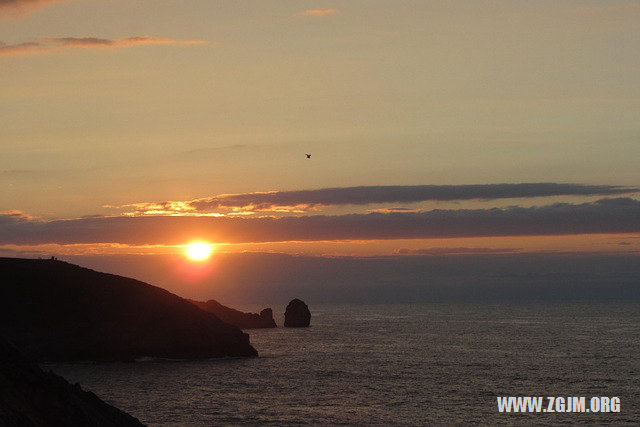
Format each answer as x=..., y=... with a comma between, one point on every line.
x=400, y=194
x=618, y=215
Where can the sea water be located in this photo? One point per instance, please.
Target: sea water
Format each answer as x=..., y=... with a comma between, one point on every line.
x=394, y=365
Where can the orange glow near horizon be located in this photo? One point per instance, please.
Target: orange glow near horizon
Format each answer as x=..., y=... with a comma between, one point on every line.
x=198, y=251
x=587, y=243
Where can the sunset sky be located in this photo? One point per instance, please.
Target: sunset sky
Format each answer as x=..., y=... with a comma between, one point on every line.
x=439, y=127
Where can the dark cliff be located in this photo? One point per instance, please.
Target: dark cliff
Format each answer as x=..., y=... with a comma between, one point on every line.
x=55, y=311
x=238, y=318
x=31, y=397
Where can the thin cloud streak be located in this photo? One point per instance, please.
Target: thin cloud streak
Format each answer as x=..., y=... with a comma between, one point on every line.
x=17, y=8
x=305, y=200
x=319, y=12
x=619, y=215
x=51, y=44
x=456, y=251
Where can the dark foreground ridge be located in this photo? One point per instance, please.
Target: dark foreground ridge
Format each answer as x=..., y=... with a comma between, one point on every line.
x=31, y=397
x=297, y=314
x=236, y=317
x=55, y=311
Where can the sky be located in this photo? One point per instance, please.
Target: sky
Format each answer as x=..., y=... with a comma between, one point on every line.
x=435, y=128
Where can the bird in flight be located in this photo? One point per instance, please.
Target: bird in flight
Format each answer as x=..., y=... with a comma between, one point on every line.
x=308, y=155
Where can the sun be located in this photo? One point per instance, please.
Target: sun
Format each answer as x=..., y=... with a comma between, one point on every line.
x=198, y=251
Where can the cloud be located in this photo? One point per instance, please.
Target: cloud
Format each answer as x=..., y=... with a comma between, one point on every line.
x=456, y=251
x=18, y=8
x=308, y=199
x=393, y=209
x=16, y=253
x=21, y=49
x=50, y=44
x=13, y=217
x=319, y=12
x=619, y=215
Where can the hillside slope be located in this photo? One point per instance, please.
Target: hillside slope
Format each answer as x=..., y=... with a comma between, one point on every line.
x=30, y=396
x=55, y=311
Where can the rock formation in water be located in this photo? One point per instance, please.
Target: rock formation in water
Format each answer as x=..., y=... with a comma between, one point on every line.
x=31, y=397
x=267, y=315
x=55, y=311
x=297, y=314
x=236, y=317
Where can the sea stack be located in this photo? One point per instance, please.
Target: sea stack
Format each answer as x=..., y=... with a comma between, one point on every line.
x=297, y=314
x=267, y=316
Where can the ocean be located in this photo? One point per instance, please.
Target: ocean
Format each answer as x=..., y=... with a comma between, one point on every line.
x=396, y=364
